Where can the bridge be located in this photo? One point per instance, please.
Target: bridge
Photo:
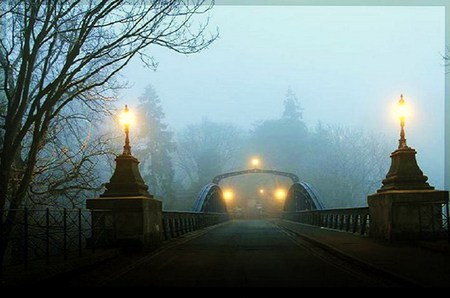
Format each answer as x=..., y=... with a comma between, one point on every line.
x=307, y=245
x=132, y=241
x=301, y=195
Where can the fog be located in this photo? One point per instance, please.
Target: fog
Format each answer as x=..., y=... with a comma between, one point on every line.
x=346, y=65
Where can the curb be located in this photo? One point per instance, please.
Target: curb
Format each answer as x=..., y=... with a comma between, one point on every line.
x=402, y=280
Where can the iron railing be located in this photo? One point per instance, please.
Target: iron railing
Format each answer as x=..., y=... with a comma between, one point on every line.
x=44, y=234
x=177, y=223
x=433, y=219
x=355, y=220
x=47, y=234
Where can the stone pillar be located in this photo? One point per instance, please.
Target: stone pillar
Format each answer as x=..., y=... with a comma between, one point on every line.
x=135, y=215
x=406, y=207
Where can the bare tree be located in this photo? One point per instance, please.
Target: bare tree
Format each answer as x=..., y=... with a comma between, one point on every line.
x=58, y=52
x=347, y=164
x=67, y=168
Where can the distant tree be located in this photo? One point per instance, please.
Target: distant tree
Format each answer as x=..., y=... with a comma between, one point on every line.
x=346, y=164
x=343, y=163
x=282, y=142
x=292, y=108
x=205, y=150
x=58, y=52
x=154, y=145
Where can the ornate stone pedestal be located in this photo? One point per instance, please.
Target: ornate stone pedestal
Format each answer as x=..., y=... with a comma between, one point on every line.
x=136, y=221
x=406, y=207
x=406, y=214
x=133, y=215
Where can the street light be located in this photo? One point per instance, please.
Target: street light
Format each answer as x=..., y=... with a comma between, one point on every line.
x=126, y=180
x=404, y=172
x=280, y=194
x=126, y=118
x=255, y=162
x=261, y=191
x=402, y=111
x=228, y=195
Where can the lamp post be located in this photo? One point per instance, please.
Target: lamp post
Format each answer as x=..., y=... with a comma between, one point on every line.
x=134, y=216
x=126, y=119
x=402, y=114
x=397, y=210
x=126, y=180
x=404, y=172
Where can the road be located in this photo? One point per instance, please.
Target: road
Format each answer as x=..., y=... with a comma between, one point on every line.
x=250, y=253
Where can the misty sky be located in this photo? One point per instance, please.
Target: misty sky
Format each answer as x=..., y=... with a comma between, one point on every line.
x=347, y=65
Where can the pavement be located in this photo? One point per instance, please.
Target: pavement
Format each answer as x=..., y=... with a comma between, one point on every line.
x=424, y=264
x=259, y=253
x=239, y=253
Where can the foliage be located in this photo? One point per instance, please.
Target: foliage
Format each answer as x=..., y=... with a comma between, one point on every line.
x=205, y=150
x=154, y=145
x=61, y=56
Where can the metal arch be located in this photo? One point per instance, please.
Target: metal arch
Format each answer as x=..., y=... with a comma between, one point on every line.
x=209, y=199
x=292, y=176
x=313, y=194
x=302, y=196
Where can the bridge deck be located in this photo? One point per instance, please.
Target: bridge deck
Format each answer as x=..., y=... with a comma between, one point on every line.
x=241, y=253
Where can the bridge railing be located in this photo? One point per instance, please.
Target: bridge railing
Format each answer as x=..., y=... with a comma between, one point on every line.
x=354, y=220
x=49, y=235
x=177, y=223
x=433, y=220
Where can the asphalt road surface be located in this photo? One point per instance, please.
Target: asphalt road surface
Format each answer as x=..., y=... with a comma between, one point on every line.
x=250, y=253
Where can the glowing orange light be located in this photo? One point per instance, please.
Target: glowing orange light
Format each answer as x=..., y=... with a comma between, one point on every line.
x=280, y=194
x=126, y=117
x=402, y=109
x=228, y=195
x=256, y=162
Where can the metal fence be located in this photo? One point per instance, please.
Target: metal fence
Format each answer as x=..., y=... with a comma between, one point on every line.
x=43, y=234
x=355, y=220
x=432, y=219
x=59, y=234
x=177, y=223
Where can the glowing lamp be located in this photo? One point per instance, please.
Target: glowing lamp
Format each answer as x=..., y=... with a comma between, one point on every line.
x=402, y=111
x=280, y=194
x=228, y=195
x=126, y=117
x=255, y=162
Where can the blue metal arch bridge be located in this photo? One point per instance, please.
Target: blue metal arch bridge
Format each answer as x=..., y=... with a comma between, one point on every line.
x=301, y=195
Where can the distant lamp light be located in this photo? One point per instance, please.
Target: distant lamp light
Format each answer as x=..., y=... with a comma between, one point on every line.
x=255, y=162
x=126, y=119
x=261, y=191
x=280, y=194
x=403, y=112
x=228, y=195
